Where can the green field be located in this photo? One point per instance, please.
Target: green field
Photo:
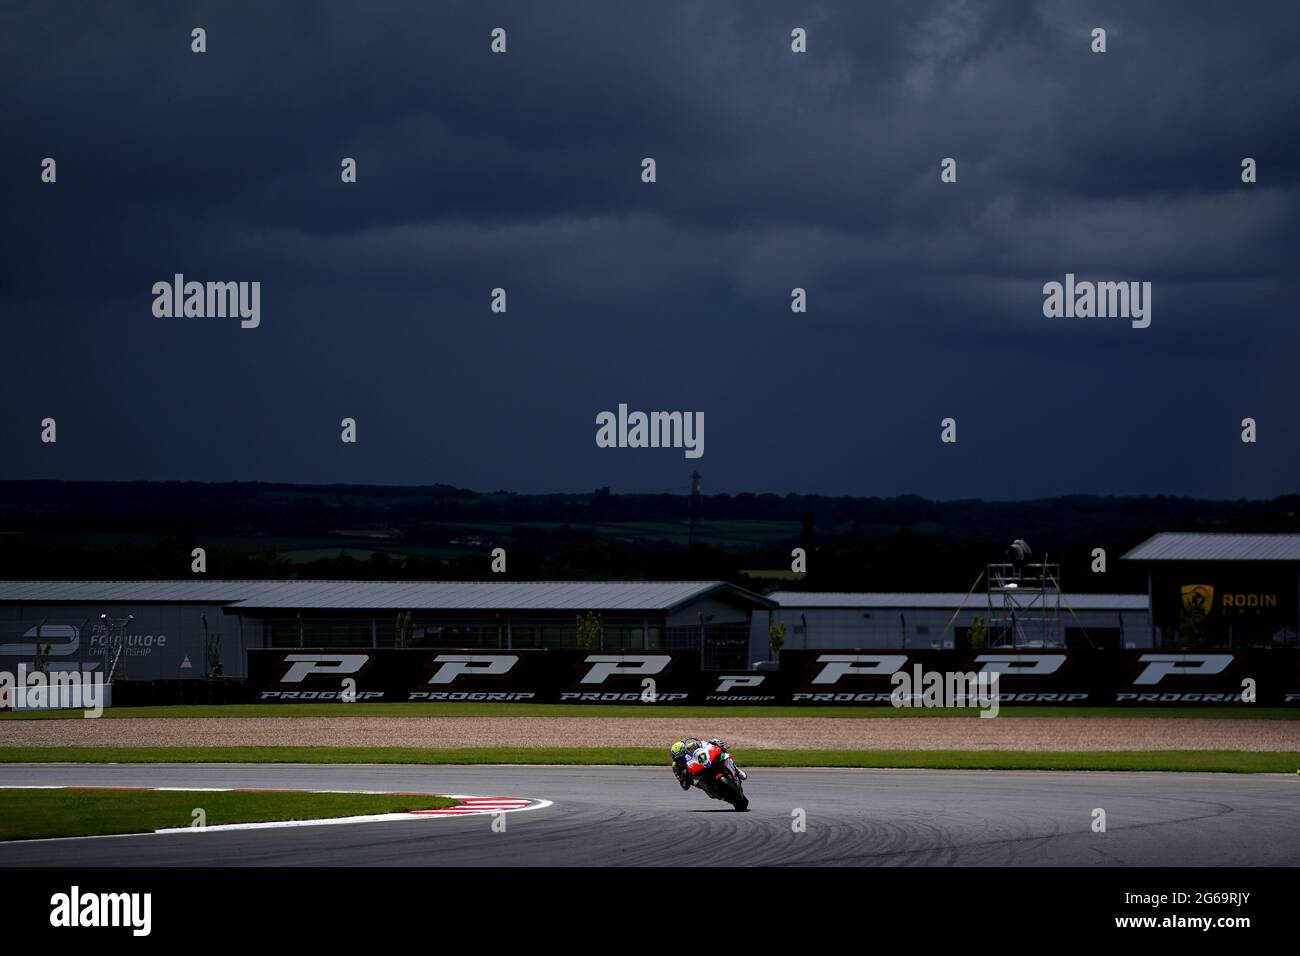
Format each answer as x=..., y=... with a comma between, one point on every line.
x=1219, y=761
x=419, y=709
x=32, y=814
x=722, y=533
x=778, y=574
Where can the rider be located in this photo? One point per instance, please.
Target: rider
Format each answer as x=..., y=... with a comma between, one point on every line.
x=680, y=753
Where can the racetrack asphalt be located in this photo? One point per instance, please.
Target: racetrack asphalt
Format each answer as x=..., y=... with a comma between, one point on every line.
x=607, y=816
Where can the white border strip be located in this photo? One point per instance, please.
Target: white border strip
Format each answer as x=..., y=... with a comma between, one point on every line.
x=490, y=805
x=370, y=818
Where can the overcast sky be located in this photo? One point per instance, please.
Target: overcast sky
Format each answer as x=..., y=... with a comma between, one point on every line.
x=775, y=170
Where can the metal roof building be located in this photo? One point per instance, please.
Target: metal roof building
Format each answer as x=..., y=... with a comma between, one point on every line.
x=1201, y=546
x=923, y=619
x=949, y=600
x=385, y=595
x=169, y=626
x=138, y=592
x=1212, y=589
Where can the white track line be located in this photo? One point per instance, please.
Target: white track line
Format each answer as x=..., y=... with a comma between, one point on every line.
x=470, y=806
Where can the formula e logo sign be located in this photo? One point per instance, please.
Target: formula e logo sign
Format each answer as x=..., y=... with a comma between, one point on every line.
x=63, y=640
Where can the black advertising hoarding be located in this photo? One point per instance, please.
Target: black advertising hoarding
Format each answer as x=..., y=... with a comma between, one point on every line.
x=473, y=675
x=1052, y=676
x=741, y=687
x=811, y=678
x=318, y=675
x=626, y=677
x=1291, y=681
x=321, y=675
x=828, y=677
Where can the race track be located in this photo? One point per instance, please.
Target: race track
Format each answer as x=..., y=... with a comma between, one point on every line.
x=638, y=816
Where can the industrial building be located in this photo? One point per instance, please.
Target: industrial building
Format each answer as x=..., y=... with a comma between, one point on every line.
x=1227, y=590
x=927, y=620
x=1222, y=590
x=161, y=630
x=1204, y=590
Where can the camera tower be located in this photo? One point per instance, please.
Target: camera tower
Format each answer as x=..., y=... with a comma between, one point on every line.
x=1024, y=600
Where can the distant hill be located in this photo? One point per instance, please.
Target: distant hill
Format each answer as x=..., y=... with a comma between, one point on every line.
x=57, y=529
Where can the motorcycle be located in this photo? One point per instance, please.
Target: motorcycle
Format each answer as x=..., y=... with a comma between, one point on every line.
x=717, y=776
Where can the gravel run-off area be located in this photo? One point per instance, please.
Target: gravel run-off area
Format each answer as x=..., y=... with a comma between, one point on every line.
x=820, y=733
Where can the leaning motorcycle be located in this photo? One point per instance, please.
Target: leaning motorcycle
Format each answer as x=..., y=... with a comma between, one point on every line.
x=717, y=776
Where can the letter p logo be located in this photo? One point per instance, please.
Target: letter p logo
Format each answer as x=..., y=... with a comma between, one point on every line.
x=305, y=665
x=1160, y=666
x=605, y=666
x=747, y=680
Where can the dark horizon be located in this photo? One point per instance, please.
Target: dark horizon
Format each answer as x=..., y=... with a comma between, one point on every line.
x=1286, y=498
x=364, y=532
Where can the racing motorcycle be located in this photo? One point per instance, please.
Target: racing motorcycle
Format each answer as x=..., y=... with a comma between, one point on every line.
x=713, y=769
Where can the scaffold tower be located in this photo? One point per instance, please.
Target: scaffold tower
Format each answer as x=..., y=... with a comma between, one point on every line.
x=1024, y=600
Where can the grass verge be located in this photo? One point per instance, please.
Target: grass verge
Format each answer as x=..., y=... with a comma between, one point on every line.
x=1223, y=761
x=427, y=709
x=32, y=814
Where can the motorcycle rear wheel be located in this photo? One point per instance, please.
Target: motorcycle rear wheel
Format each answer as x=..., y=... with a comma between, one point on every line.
x=732, y=792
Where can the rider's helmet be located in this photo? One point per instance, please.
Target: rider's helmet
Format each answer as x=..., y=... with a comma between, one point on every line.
x=677, y=750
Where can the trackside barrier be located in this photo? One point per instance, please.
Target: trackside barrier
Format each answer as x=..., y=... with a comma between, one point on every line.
x=811, y=678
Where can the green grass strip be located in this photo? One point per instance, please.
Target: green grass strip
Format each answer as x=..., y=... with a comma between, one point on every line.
x=1224, y=761
x=31, y=814
x=427, y=709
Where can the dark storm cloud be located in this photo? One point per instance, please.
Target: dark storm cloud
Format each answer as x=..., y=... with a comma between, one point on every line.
x=775, y=171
